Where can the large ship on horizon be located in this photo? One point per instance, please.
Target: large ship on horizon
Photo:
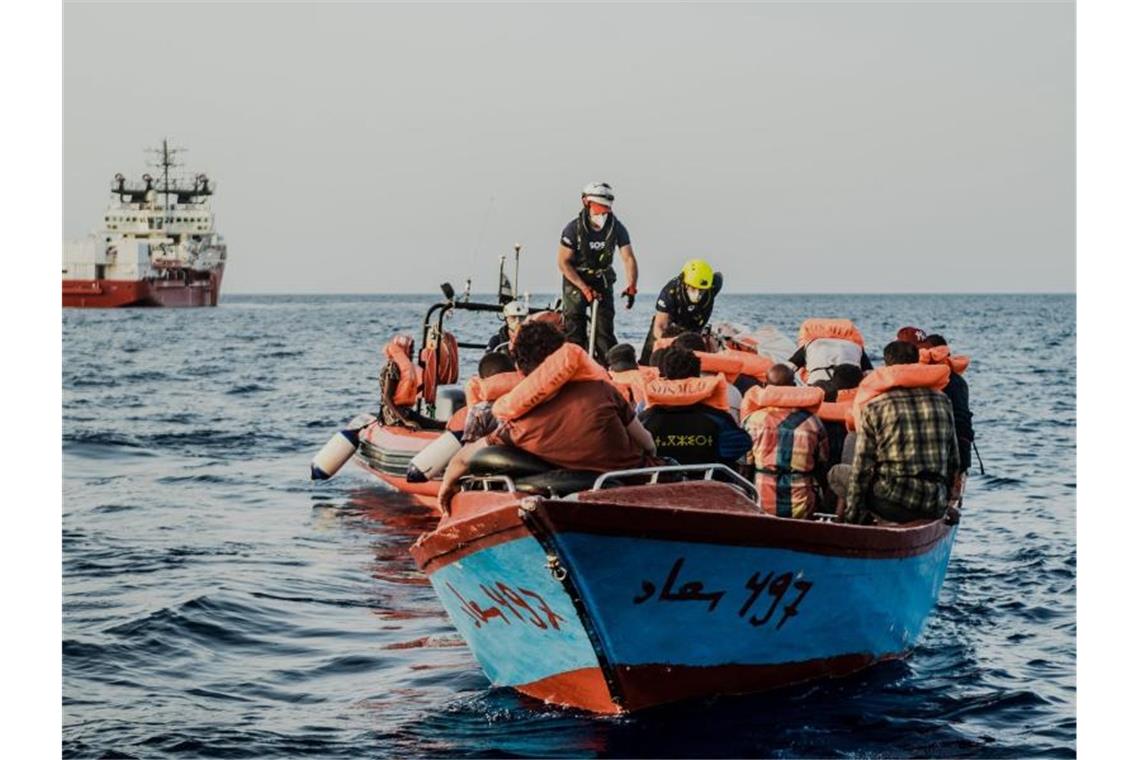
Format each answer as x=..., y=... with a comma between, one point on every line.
x=157, y=247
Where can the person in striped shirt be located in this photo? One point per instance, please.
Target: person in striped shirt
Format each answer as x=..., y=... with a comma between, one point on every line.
x=790, y=451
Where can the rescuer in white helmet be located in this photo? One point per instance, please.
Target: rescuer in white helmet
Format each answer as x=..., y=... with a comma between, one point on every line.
x=513, y=315
x=585, y=258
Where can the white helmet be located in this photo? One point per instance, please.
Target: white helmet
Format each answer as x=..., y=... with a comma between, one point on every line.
x=514, y=309
x=599, y=192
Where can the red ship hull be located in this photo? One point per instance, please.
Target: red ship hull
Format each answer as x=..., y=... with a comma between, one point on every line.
x=107, y=294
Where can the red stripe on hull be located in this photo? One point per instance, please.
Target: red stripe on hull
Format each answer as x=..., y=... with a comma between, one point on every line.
x=584, y=688
x=109, y=294
x=645, y=686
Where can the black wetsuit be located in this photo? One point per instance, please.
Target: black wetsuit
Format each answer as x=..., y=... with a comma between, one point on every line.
x=499, y=338
x=592, y=257
x=674, y=302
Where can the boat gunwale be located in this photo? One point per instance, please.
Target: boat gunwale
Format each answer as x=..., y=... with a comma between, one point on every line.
x=486, y=525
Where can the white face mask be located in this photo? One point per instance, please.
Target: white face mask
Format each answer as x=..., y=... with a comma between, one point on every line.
x=599, y=220
x=694, y=294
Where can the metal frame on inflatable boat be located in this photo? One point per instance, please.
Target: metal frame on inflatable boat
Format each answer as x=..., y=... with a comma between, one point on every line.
x=443, y=307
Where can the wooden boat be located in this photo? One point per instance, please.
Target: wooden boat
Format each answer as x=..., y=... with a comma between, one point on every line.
x=615, y=599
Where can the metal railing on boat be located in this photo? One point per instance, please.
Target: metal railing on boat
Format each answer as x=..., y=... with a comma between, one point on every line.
x=613, y=478
x=736, y=480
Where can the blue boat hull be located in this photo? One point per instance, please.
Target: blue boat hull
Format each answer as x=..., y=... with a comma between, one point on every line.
x=614, y=607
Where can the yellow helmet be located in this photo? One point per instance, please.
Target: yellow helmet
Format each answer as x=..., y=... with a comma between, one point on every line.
x=697, y=273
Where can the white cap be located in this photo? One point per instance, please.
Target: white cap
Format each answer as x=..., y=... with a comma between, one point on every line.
x=514, y=309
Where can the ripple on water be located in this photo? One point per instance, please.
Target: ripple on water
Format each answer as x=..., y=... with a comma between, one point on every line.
x=217, y=603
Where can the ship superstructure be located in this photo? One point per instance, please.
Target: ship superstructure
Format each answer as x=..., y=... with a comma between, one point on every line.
x=157, y=247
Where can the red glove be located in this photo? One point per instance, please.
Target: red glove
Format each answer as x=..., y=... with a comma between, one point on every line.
x=589, y=294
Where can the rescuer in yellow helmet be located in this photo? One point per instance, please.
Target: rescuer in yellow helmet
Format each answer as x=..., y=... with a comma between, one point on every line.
x=686, y=301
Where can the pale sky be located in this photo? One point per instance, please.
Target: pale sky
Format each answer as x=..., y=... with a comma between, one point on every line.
x=808, y=147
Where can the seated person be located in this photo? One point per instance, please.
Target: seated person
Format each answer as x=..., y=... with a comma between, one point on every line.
x=696, y=342
x=622, y=361
x=693, y=341
x=513, y=315
x=574, y=424
x=689, y=420
x=824, y=345
x=906, y=452
x=844, y=377
x=957, y=390
x=789, y=444
x=480, y=420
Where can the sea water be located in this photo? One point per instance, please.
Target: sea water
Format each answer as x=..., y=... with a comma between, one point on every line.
x=219, y=604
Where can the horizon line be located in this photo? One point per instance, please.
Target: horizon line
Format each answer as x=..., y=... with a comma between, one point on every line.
x=753, y=293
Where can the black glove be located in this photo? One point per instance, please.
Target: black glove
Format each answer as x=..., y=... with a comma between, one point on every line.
x=629, y=294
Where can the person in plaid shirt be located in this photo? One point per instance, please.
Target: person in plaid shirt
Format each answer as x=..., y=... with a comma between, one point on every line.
x=906, y=455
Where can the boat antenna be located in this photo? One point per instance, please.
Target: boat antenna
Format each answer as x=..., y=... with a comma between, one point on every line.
x=166, y=163
x=515, y=284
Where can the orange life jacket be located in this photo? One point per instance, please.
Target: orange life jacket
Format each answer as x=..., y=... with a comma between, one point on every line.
x=840, y=408
x=631, y=382
x=803, y=397
x=884, y=379
x=711, y=391
x=751, y=363
x=458, y=420
x=839, y=329
x=570, y=363
x=399, y=352
x=722, y=362
x=479, y=389
x=941, y=355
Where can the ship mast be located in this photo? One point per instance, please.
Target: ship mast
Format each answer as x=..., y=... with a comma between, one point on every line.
x=166, y=163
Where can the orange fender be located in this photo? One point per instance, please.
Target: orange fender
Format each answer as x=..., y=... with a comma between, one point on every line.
x=712, y=391
x=570, y=363
x=808, y=398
